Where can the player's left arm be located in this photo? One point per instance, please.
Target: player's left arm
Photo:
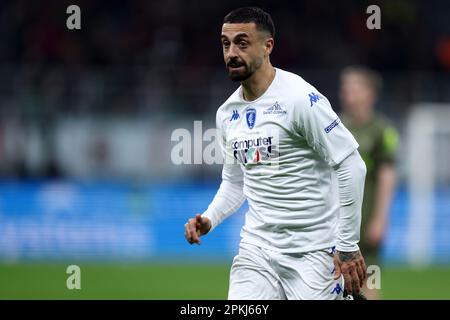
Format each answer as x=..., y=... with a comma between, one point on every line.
x=317, y=122
x=348, y=260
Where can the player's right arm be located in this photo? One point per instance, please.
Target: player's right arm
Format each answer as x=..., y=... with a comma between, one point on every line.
x=228, y=199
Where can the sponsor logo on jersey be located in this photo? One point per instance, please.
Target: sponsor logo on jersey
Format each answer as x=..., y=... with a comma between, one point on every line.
x=254, y=151
x=250, y=116
x=332, y=125
x=235, y=115
x=313, y=98
x=275, y=109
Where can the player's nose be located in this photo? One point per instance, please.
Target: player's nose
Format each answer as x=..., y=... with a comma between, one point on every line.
x=232, y=52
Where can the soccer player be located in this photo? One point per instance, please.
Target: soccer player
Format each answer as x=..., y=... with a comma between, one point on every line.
x=286, y=152
x=378, y=141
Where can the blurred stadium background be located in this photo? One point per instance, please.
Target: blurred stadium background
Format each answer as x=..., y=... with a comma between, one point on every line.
x=86, y=118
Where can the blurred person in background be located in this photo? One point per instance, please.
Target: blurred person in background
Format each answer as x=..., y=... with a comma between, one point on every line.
x=378, y=141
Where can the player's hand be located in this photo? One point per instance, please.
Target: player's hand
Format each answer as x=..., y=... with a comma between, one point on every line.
x=196, y=227
x=352, y=267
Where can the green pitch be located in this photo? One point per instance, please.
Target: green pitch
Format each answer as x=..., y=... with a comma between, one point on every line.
x=177, y=281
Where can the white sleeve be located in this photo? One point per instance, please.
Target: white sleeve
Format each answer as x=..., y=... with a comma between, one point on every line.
x=230, y=196
x=227, y=200
x=351, y=174
x=321, y=127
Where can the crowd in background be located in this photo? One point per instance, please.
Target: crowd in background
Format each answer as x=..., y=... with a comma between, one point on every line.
x=163, y=58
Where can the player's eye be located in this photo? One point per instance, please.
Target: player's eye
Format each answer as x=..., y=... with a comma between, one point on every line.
x=225, y=44
x=243, y=44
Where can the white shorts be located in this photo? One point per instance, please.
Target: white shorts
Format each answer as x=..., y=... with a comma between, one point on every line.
x=262, y=274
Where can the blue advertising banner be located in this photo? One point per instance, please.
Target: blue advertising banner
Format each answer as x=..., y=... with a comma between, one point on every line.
x=63, y=220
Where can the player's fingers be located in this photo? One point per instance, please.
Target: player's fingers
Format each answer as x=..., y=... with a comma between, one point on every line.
x=198, y=221
x=348, y=282
x=193, y=231
x=360, y=272
x=337, y=271
x=361, y=281
x=364, y=274
x=355, y=281
x=364, y=268
x=187, y=233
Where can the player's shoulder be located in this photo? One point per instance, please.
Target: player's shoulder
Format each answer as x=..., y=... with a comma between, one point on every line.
x=227, y=106
x=290, y=80
x=298, y=89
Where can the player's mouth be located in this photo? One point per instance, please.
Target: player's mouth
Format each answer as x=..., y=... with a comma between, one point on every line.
x=235, y=66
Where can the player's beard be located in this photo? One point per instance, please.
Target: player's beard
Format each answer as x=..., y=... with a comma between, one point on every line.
x=243, y=73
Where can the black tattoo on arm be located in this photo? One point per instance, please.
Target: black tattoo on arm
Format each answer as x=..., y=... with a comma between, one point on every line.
x=348, y=256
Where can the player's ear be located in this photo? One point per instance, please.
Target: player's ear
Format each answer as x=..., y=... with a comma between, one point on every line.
x=269, y=43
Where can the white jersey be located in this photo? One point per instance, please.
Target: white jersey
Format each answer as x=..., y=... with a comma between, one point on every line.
x=284, y=145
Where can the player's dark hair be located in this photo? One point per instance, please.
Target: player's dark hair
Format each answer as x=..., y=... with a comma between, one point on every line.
x=262, y=19
x=372, y=77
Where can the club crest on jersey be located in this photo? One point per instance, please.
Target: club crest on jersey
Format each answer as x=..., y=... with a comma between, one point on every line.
x=250, y=116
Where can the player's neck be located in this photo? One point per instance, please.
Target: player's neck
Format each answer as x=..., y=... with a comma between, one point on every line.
x=257, y=84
